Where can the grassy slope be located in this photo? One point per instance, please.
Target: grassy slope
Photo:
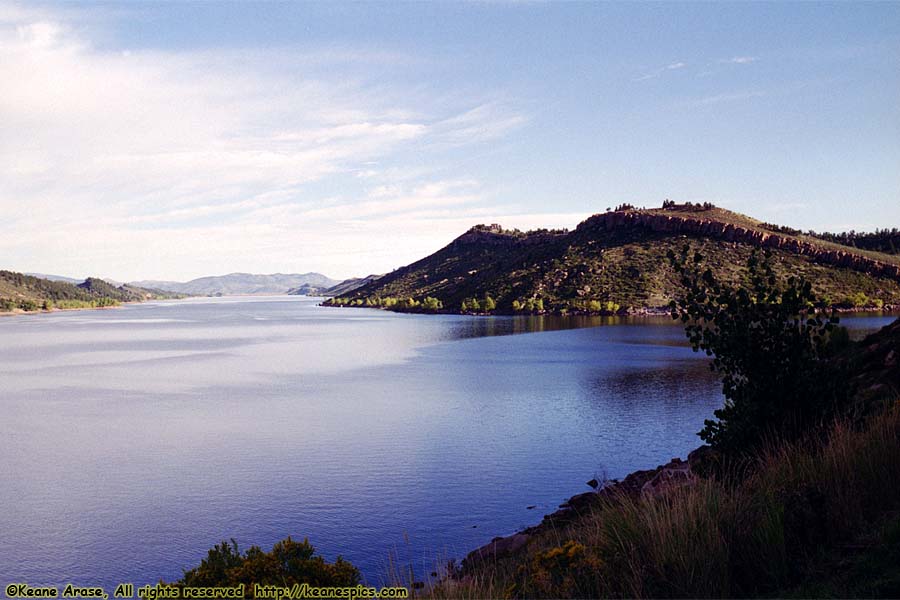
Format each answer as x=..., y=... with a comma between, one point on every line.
x=624, y=266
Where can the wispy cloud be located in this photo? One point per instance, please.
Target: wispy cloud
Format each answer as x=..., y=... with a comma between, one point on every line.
x=738, y=60
x=728, y=97
x=654, y=74
x=483, y=123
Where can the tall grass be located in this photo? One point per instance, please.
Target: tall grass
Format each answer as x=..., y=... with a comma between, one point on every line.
x=755, y=534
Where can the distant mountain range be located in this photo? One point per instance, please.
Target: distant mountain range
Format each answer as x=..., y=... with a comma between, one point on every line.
x=616, y=262
x=245, y=283
x=38, y=291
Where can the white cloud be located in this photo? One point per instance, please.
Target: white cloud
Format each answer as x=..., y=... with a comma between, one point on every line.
x=656, y=73
x=738, y=60
x=138, y=163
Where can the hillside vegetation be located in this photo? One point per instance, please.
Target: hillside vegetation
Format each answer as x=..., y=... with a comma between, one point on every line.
x=616, y=262
x=20, y=292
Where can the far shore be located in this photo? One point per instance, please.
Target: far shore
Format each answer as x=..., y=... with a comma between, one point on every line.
x=640, y=312
x=18, y=312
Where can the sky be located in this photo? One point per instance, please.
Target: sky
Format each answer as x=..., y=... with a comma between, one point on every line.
x=174, y=140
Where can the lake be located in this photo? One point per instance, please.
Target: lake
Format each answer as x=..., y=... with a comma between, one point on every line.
x=135, y=439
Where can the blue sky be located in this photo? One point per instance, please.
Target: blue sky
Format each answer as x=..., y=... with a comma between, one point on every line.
x=174, y=140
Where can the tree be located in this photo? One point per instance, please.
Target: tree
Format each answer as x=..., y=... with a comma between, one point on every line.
x=769, y=344
x=432, y=304
x=858, y=300
x=489, y=303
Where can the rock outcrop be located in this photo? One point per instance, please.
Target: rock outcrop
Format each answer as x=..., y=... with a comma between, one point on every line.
x=677, y=474
x=494, y=236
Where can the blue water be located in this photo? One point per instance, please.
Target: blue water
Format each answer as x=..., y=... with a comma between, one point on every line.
x=132, y=440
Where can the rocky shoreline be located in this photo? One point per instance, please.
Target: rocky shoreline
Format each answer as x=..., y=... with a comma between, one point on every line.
x=650, y=482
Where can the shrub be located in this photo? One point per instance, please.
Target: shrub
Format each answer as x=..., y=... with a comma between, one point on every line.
x=858, y=300
x=288, y=562
x=432, y=304
x=769, y=344
x=566, y=571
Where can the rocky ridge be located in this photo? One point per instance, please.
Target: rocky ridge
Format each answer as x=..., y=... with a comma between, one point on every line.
x=735, y=233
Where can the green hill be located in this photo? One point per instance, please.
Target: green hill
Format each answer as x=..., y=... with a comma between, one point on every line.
x=616, y=262
x=28, y=293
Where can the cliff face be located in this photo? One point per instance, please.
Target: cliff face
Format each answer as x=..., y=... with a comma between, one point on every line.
x=735, y=233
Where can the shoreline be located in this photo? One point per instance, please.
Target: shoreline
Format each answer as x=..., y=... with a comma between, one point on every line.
x=18, y=312
x=652, y=482
x=888, y=310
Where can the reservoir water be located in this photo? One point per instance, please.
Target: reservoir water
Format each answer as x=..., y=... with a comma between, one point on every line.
x=132, y=440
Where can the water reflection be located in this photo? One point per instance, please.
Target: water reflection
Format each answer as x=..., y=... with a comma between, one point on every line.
x=483, y=326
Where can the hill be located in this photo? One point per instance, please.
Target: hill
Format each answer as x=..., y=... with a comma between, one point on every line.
x=616, y=262
x=124, y=292
x=29, y=293
x=242, y=284
x=342, y=288
x=307, y=289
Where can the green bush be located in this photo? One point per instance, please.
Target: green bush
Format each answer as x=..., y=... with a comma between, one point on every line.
x=769, y=344
x=288, y=563
x=29, y=305
x=858, y=300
